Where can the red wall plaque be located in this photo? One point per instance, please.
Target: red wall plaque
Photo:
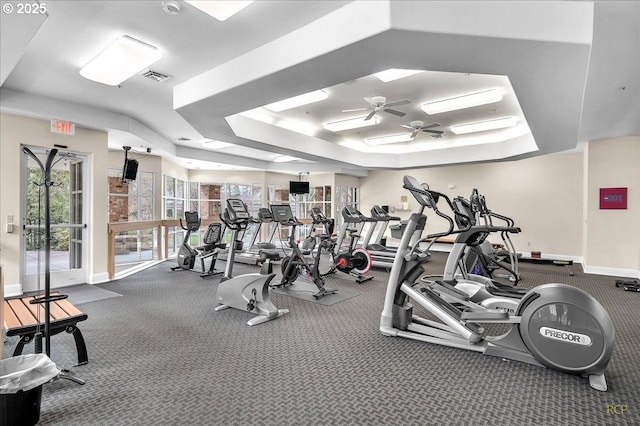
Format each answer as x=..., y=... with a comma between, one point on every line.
x=613, y=198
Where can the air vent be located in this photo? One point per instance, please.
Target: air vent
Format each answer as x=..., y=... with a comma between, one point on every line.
x=184, y=139
x=155, y=76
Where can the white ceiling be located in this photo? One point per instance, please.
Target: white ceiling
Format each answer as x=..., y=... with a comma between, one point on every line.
x=570, y=71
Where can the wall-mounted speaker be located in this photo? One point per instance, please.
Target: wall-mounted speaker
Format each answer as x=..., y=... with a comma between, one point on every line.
x=130, y=169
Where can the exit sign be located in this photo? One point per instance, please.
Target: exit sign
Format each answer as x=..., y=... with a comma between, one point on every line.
x=63, y=127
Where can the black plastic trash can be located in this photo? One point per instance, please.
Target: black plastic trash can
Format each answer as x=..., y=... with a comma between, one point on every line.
x=21, y=380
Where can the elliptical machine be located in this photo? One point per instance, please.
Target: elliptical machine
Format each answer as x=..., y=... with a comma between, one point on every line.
x=554, y=325
x=483, y=259
x=249, y=292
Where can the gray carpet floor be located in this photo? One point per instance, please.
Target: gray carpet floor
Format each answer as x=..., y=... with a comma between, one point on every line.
x=161, y=355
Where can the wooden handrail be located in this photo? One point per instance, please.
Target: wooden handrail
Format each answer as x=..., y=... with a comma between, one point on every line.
x=162, y=236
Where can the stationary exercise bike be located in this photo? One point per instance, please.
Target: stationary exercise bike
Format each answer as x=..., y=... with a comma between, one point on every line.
x=355, y=261
x=187, y=255
x=554, y=325
x=249, y=292
x=295, y=263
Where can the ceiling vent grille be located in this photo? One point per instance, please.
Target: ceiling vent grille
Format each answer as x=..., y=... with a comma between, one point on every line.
x=155, y=76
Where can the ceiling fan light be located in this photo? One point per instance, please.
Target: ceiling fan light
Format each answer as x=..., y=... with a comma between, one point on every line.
x=296, y=101
x=383, y=140
x=121, y=60
x=461, y=102
x=394, y=74
x=351, y=123
x=221, y=10
x=481, y=126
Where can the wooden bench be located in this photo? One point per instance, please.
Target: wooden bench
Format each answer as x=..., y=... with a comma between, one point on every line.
x=21, y=319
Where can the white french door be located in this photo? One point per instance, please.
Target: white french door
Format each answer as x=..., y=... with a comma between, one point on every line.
x=67, y=205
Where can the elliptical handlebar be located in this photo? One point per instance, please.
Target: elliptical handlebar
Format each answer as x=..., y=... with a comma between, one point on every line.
x=429, y=198
x=479, y=205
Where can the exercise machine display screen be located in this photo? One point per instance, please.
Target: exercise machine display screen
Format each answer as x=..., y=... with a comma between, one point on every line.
x=237, y=210
x=282, y=213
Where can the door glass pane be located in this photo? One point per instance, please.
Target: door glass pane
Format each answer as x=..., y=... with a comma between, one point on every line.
x=64, y=188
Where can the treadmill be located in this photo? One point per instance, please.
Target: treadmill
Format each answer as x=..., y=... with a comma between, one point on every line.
x=373, y=241
x=251, y=254
x=355, y=221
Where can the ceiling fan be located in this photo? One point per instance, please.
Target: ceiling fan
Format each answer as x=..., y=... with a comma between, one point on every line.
x=418, y=126
x=379, y=103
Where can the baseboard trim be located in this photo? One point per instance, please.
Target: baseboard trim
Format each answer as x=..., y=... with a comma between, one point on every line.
x=616, y=272
x=11, y=290
x=99, y=278
x=574, y=259
x=137, y=268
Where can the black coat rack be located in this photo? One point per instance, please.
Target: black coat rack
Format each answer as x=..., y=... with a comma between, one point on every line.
x=47, y=298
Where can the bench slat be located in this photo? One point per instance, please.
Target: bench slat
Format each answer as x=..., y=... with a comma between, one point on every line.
x=23, y=313
x=71, y=310
x=10, y=318
x=56, y=312
x=34, y=308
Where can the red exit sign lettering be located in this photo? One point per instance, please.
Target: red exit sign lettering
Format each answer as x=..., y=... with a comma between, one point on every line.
x=63, y=127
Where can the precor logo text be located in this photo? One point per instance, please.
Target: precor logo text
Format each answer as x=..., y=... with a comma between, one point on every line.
x=565, y=336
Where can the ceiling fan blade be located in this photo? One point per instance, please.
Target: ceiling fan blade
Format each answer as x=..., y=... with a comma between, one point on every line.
x=396, y=103
x=436, y=132
x=430, y=126
x=355, y=109
x=371, y=114
x=414, y=133
x=394, y=112
x=406, y=127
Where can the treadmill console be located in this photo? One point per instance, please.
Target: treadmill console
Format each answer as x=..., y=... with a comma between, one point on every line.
x=237, y=211
x=352, y=215
x=381, y=214
x=265, y=215
x=282, y=213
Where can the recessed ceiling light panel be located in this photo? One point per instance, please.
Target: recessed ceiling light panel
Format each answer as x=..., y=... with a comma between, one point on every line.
x=394, y=74
x=351, y=123
x=481, y=126
x=296, y=101
x=464, y=101
x=284, y=159
x=383, y=140
x=216, y=144
x=123, y=59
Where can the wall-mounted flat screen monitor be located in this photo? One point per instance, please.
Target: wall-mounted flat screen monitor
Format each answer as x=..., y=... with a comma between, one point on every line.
x=298, y=187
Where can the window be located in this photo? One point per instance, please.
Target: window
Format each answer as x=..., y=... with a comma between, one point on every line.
x=346, y=196
x=174, y=200
x=209, y=200
x=132, y=201
x=319, y=196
